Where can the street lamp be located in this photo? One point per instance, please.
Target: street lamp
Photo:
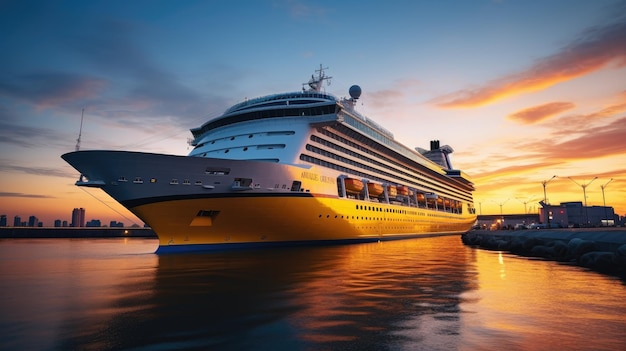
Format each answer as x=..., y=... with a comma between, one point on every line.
x=544, y=183
x=584, y=186
x=604, y=200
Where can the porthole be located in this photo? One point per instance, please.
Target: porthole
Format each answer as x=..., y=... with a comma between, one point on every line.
x=245, y=149
x=226, y=151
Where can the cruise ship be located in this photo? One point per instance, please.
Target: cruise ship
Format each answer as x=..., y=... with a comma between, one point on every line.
x=293, y=168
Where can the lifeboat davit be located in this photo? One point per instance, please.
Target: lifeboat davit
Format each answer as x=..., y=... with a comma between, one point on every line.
x=353, y=186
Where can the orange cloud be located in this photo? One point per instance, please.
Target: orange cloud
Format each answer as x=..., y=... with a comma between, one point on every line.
x=596, y=142
x=538, y=113
x=580, y=123
x=594, y=50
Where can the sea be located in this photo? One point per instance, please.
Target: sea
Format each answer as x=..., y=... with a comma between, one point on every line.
x=418, y=294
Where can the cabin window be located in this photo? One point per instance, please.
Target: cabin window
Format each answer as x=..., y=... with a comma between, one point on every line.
x=153, y=180
x=174, y=181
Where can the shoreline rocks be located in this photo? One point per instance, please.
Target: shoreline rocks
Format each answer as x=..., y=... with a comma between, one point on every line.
x=599, y=249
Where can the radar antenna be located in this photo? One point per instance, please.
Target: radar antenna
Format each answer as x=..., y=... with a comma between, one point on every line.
x=80, y=131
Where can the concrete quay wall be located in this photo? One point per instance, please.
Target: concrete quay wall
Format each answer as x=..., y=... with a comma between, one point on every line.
x=600, y=249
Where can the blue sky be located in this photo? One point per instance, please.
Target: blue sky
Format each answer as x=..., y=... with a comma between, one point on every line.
x=498, y=81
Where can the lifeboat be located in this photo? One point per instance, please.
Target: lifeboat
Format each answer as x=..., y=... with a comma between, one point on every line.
x=420, y=197
x=374, y=189
x=402, y=190
x=353, y=186
x=392, y=191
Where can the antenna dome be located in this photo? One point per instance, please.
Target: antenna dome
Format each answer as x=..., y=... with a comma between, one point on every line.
x=355, y=91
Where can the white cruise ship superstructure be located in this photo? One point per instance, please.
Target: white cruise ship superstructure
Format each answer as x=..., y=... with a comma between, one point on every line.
x=286, y=169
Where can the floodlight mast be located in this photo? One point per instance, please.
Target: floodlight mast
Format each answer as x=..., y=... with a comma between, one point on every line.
x=544, y=183
x=604, y=200
x=584, y=186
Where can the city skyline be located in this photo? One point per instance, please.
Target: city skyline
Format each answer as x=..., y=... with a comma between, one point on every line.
x=78, y=220
x=521, y=90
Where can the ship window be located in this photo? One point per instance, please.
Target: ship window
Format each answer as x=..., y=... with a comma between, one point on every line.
x=295, y=186
x=186, y=182
x=232, y=138
x=138, y=180
x=250, y=136
x=207, y=213
x=174, y=181
x=122, y=179
x=153, y=180
x=198, y=182
x=226, y=151
x=245, y=149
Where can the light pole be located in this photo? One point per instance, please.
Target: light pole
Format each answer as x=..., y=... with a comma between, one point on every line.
x=545, y=199
x=604, y=200
x=525, y=202
x=502, y=204
x=584, y=186
x=544, y=183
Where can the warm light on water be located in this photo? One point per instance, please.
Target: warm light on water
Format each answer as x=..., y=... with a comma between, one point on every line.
x=422, y=294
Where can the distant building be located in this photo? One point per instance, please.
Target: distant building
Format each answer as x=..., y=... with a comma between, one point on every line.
x=115, y=224
x=78, y=217
x=64, y=224
x=3, y=220
x=33, y=221
x=94, y=223
x=57, y=223
x=574, y=214
x=17, y=221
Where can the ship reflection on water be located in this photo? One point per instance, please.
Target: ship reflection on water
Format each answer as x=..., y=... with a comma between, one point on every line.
x=419, y=294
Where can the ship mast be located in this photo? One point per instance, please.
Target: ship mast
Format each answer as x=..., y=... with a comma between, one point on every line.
x=80, y=131
x=315, y=83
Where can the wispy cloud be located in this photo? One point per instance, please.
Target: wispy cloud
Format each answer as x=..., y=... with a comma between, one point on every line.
x=580, y=123
x=596, y=142
x=539, y=113
x=302, y=9
x=595, y=49
x=50, y=89
x=43, y=171
x=36, y=196
x=27, y=136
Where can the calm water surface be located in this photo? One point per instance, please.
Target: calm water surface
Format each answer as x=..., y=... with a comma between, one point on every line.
x=420, y=294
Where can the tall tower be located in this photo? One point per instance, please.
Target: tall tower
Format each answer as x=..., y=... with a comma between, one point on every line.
x=78, y=217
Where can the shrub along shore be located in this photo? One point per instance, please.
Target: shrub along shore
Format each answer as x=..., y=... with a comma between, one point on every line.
x=599, y=249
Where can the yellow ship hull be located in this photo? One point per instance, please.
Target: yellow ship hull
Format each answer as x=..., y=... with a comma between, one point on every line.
x=287, y=220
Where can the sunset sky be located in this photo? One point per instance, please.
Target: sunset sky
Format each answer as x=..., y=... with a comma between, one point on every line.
x=521, y=90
